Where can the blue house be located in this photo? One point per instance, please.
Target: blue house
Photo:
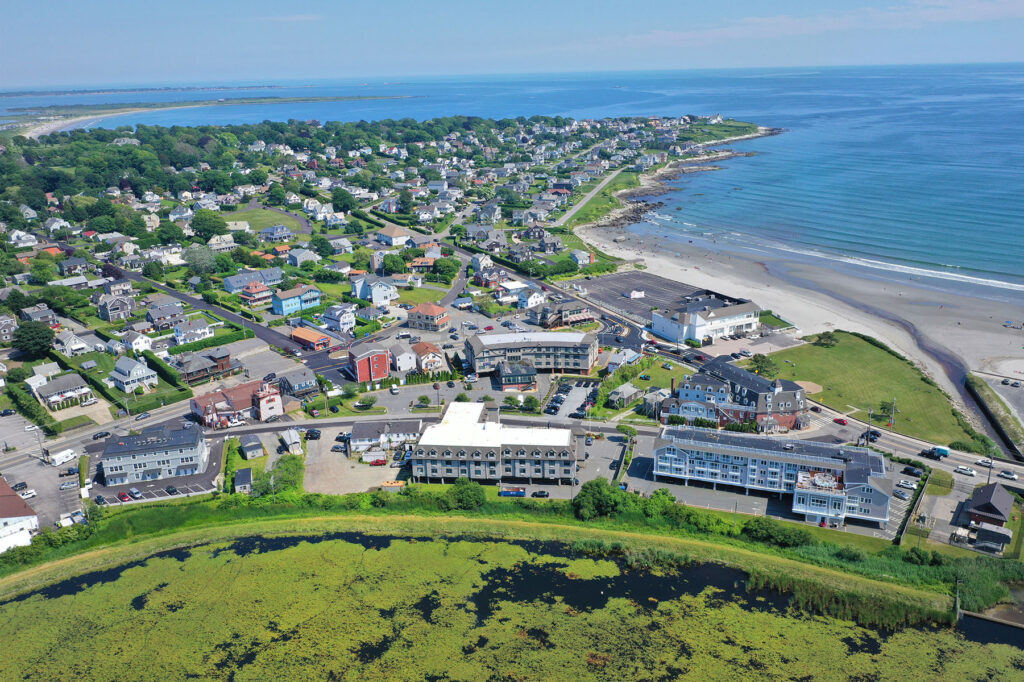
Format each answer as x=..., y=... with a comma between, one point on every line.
x=276, y=233
x=295, y=300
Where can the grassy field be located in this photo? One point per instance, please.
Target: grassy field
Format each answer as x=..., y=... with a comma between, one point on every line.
x=939, y=483
x=604, y=202
x=857, y=377
x=999, y=409
x=772, y=320
x=260, y=218
x=420, y=295
x=371, y=602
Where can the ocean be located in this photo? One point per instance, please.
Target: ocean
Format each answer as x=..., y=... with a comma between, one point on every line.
x=905, y=171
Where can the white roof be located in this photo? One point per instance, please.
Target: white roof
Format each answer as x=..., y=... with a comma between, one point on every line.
x=529, y=338
x=461, y=426
x=513, y=285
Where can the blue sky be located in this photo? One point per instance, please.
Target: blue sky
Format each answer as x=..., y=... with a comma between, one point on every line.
x=92, y=42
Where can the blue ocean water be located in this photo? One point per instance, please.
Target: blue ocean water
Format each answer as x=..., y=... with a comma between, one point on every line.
x=911, y=169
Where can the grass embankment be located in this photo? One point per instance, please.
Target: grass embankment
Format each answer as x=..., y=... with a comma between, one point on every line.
x=486, y=602
x=770, y=319
x=998, y=409
x=605, y=201
x=857, y=377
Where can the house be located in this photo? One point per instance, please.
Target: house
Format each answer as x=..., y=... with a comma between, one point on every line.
x=204, y=365
x=572, y=352
x=991, y=503
x=7, y=326
x=341, y=317
x=268, y=277
x=68, y=344
x=491, y=213
x=118, y=287
x=421, y=264
x=297, y=257
x=39, y=313
x=517, y=376
x=621, y=358
x=190, y=331
x=428, y=316
x=374, y=289
x=402, y=358
x=114, y=307
x=180, y=214
x=481, y=261
x=292, y=441
x=295, y=300
x=299, y=382
x=165, y=316
x=275, y=233
x=77, y=282
x=311, y=338
x=238, y=225
x=429, y=357
x=534, y=233
x=369, y=364
x=130, y=374
x=341, y=267
x=256, y=294
x=253, y=400
x=73, y=266
x=520, y=253
x=340, y=245
x=705, y=316
x=529, y=298
x=384, y=434
x=18, y=521
x=550, y=244
x=406, y=279
x=243, y=481
x=251, y=447
x=158, y=452
x=561, y=315
x=137, y=342
x=392, y=235
x=56, y=224
x=624, y=395
x=61, y=391
x=581, y=258
x=222, y=242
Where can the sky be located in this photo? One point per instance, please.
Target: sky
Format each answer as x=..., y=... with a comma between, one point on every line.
x=76, y=43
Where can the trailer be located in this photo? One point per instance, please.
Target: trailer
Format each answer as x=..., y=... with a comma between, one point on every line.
x=62, y=457
x=512, y=492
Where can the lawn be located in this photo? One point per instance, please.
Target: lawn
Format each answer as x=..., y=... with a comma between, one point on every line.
x=604, y=202
x=661, y=377
x=458, y=607
x=857, y=376
x=260, y=218
x=770, y=319
x=105, y=365
x=939, y=483
x=420, y=295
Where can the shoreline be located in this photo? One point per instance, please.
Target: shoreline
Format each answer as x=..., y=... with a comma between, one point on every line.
x=946, y=333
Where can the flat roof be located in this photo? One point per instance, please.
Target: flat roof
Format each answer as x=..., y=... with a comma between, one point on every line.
x=783, y=447
x=530, y=339
x=461, y=426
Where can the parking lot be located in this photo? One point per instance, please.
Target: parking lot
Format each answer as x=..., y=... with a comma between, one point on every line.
x=569, y=397
x=335, y=473
x=611, y=291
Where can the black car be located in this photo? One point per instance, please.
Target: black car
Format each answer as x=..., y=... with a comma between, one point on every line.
x=313, y=434
x=21, y=485
x=540, y=493
x=8, y=412
x=451, y=384
x=101, y=434
x=100, y=500
x=171, y=490
x=272, y=418
x=913, y=471
x=335, y=409
x=341, y=438
x=270, y=377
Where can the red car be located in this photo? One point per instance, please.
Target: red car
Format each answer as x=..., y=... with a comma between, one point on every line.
x=840, y=420
x=489, y=328
x=378, y=462
x=124, y=497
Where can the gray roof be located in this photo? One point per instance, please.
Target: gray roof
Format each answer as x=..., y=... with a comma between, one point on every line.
x=374, y=429
x=243, y=477
x=992, y=500
x=299, y=376
x=251, y=442
x=153, y=439
x=59, y=384
x=721, y=367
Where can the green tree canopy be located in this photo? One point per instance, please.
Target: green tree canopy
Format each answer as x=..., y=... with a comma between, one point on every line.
x=33, y=338
x=207, y=223
x=764, y=365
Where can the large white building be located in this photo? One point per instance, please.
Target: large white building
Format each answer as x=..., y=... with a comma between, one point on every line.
x=705, y=316
x=827, y=482
x=18, y=521
x=573, y=352
x=469, y=442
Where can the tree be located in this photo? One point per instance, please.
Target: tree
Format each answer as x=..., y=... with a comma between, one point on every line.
x=826, y=339
x=153, y=269
x=512, y=402
x=321, y=245
x=343, y=201
x=423, y=400
x=276, y=194
x=17, y=374
x=257, y=176
x=42, y=272
x=393, y=263
x=447, y=268
x=405, y=201
x=464, y=494
x=200, y=259
x=349, y=391
x=111, y=271
x=531, y=403
x=169, y=233
x=368, y=401
x=33, y=338
x=595, y=498
x=462, y=398
x=626, y=430
x=207, y=223
x=764, y=365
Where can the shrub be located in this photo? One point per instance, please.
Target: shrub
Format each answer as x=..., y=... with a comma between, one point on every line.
x=770, y=531
x=852, y=554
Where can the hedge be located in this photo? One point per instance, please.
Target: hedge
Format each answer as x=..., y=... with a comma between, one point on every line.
x=367, y=219
x=31, y=409
x=162, y=369
x=210, y=342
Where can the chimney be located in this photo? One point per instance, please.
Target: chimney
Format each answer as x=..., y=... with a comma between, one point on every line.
x=673, y=385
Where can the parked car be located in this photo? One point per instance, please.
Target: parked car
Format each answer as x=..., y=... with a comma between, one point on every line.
x=540, y=493
x=68, y=485
x=335, y=409
x=913, y=471
x=451, y=384
x=590, y=440
x=315, y=413
x=313, y=434
x=124, y=497
x=171, y=490
x=378, y=463
x=31, y=427
x=19, y=486
x=902, y=494
x=841, y=421
x=489, y=328
x=397, y=465
x=8, y=412
x=101, y=434
x=448, y=346
x=270, y=377
x=100, y=500
x=1008, y=475
x=28, y=494
x=904, y=483
x=273, y=418
x=1005, y=382
x=144, y=415
x=337, y=448
x=393, y=390
x=135, y=492
x=1016, y=384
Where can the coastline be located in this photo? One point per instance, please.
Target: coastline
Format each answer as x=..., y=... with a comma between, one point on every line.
x=59, y=125
x=946, y=333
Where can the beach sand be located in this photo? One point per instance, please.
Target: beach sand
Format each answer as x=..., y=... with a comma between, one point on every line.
x=945, y=334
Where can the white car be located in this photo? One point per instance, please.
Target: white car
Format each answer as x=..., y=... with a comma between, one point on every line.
x=909, y=485
x=1008, y=474
x=966, y=471
x=31, y=427
x=28, y=494
x=987, y=463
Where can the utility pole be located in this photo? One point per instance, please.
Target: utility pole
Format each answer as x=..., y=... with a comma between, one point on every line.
x=892, y=415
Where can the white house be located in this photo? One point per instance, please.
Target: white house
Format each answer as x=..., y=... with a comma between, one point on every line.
x=374, y=289
x=18, y=521
x=191, y=331
x=529, y=298
x=129, y=374
x=402, y=358
x=341, y=317
x=21, y=239
x=705, y=316
x=137, y=342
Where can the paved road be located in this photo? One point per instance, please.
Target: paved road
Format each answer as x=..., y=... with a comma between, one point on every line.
x=583, y=202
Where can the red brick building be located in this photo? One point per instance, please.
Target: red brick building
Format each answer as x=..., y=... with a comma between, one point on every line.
x=369, y=364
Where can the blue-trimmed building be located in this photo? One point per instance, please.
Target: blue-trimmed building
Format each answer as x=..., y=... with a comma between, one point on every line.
x=302, y=297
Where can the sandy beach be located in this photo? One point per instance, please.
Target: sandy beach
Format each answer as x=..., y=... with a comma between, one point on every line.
x=56, y=125
x=944, y=333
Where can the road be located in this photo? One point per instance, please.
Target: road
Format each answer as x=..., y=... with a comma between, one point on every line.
x=587, y=197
